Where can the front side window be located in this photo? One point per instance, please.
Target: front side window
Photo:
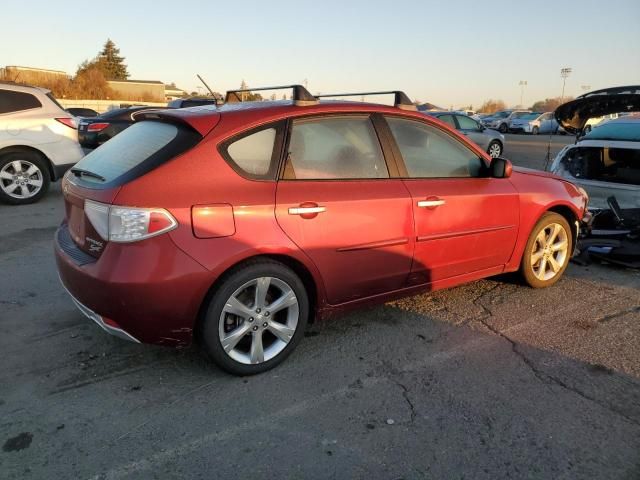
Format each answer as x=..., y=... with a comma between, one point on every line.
x=334, y=148
x=430, y=153
x=467, y=123
x=448, y=119
x=11, y=101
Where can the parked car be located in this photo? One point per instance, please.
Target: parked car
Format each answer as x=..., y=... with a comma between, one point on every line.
x=93, y=132
x=38, y=142
x=241, y=224
x=534, y=123
x=489, y=140
x=82, y=112
x=501, y=120
x=191, y=102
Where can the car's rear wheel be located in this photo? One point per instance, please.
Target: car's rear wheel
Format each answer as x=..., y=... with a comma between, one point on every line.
x=256, y=318
x=535, y=130
x=24, y=177
x=494, y=149
x=547, y=252
x=503, y=128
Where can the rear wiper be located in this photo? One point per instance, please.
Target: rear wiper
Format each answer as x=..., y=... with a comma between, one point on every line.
x=78, y=172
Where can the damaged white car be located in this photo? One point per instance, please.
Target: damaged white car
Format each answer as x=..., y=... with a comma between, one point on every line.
x=606, y=163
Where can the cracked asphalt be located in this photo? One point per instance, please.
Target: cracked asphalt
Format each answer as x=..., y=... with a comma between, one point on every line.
x=485, y=381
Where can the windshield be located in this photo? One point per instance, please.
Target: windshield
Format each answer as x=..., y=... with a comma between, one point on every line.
x=622, y=131
x=530, y=116
x=521, y=114
x=502, y=114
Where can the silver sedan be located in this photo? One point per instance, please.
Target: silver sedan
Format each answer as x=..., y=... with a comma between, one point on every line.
x=491, y=141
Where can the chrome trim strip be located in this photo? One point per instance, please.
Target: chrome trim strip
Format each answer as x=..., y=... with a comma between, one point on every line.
x=380, y=244
x=306, y=210
x=117, y=332
x=439, y=236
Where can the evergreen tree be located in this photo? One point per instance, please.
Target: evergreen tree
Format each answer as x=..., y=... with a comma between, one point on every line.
x=111, y=63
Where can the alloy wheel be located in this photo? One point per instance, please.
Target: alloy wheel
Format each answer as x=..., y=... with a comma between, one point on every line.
x=495, y=150
x=550, y=252
x=21, y=179
x=258, y=320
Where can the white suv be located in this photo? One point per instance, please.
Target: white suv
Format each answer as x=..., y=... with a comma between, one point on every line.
x=38, y=142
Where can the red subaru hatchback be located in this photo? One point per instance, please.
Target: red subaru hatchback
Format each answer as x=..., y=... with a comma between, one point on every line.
x=239, y=224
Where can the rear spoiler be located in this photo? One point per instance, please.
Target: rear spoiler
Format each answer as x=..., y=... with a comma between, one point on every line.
x=200, y=119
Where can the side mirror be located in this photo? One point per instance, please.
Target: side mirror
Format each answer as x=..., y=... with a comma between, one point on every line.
x=481, y=127
x=500, y=168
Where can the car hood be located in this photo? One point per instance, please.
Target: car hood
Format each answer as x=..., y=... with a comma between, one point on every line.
x=537, y=173
x=573, y=115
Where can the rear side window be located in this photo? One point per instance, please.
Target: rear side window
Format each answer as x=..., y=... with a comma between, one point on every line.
x=254, y=154
x=134, y=152
x=430, y=153
x=11, y=101
x=334, y=148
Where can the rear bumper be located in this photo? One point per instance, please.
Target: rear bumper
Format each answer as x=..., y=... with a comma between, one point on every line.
x=107, y=327
x=148, y=291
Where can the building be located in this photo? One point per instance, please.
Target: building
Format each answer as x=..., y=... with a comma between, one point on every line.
x=31, y=75
x=140, y=90
x=171, y=92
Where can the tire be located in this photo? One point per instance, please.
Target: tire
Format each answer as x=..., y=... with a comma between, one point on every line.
x=494, y=149
x=503, y=128
x=238, y=292
x=24, y=177
x=535, y=131
x=543, y=263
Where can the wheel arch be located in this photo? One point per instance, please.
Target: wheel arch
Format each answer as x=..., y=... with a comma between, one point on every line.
x=294, y=264
x=25, y=148
x=571, y=217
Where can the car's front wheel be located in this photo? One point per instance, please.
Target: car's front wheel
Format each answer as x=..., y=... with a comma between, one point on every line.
x=547, y=252
x=256, y=317
x=24, y=177
x=503, y=128
x=494, y=149
x=535, y=130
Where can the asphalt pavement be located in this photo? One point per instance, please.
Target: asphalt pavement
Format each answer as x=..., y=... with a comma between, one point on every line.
x=489, y=380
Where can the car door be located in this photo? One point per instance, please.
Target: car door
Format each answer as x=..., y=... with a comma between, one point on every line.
x=470, y=128
x=464, y=220
x=335, y=199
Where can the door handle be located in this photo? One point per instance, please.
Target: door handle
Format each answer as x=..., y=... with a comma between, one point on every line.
x=430, y=203
x=306, y=210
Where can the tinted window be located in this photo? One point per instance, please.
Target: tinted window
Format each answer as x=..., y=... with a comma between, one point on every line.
x=115, y=113
x=334, y=148
x=429, y=152
x=448, y=119
x=467, y=123
x=11, y=101
x=622, y=131
x=135, y=151
x=253, y=153
x=196, y=103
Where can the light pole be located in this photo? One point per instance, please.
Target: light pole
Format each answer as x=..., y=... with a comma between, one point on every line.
x=564, y=73
x=523, y=83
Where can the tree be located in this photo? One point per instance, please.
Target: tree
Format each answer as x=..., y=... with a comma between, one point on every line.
x=248, y=96
x=492, y=106
x=111, y=63
x=89, y=82
x=549, y=104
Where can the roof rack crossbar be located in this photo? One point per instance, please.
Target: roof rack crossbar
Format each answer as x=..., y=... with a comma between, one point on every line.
x=301, y=95
x=401, y=99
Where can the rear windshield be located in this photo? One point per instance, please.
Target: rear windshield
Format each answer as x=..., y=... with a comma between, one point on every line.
x=134, y=152
x=621, y=131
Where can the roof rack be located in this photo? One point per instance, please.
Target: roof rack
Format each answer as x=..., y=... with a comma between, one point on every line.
x=301, y=95
x=401, y=100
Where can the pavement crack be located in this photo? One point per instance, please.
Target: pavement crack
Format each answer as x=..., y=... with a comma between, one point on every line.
x=621, y=313
x=544, y=377
x=405, y=395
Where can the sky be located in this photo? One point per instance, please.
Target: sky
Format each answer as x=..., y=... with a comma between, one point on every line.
x=451, y=53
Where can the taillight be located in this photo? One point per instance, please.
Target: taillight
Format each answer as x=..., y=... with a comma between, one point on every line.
x=97, y=127
x=128, y=224
x=69, y=122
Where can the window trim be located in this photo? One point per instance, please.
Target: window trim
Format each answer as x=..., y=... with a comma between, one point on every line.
x=274, y=165
x=378, y=125
x=404, y=173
